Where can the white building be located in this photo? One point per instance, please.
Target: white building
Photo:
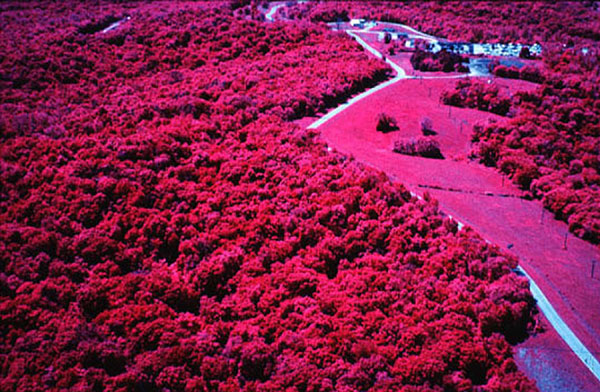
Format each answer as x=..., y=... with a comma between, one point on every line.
x=357, y=22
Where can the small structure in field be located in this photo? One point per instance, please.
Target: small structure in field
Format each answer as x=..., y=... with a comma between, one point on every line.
x=392, y=36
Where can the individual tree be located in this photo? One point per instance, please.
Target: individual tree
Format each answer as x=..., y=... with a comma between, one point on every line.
x=386, y=123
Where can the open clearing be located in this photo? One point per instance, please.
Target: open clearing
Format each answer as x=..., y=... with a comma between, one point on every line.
x=480, y=197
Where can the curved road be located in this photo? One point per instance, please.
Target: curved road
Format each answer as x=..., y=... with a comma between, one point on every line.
x=563, y=330
x=586, y=357
x=269, y=15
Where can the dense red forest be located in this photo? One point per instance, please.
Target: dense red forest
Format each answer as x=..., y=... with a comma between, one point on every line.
x=551, y=147
x=473, y=93
x=164, y=226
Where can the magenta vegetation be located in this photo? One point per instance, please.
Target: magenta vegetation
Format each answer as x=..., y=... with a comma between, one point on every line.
x=551, y=147
x=473, y=93
x=471, y=21
x=423, y=146
x=164, y=226
x=443, y=61
x=530, y=73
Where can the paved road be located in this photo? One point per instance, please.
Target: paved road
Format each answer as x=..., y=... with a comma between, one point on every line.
x=269, y=15
x=544, y=304
x=400, y=74
x=563, y=330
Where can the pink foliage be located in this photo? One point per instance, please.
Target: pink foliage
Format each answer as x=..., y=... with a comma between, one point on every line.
x=165, y=227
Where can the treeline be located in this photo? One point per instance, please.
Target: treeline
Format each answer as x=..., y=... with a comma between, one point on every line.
x=477, y=94
x=528, y=22
x=443, y=61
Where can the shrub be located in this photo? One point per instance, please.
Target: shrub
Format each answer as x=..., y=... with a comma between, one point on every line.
x=421, y=146
x=471, y=93
x=386, y=123
x=427, y=127
x=443, y=60
x=521, y=169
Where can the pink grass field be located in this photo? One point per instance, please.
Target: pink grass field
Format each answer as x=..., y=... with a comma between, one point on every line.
x=463, y=186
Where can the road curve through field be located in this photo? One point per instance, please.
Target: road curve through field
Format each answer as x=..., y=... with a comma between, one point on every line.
x=549, y=311
x=563, y=330
x=400, y=75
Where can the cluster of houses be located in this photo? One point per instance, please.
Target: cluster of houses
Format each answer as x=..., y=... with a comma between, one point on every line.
x=434, y=45
x=510, y=50
x=467, y=48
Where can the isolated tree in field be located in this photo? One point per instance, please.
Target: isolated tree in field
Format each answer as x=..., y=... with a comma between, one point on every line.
x=386, y=123
x=427, y=127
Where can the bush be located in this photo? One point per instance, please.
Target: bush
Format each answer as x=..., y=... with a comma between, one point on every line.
x=471, y=93
x=427, y=127
x=520, y=168
x=386, y=123
x=422, y=146
x=503, y=71
x=443, y=60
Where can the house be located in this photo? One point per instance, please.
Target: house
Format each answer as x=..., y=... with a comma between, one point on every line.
x=537, y=49
x=357, y=23
x=393, y=36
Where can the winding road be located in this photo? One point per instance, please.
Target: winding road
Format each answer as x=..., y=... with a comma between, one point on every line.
x=526, y=268
x=544, y=304
x=271, y=12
